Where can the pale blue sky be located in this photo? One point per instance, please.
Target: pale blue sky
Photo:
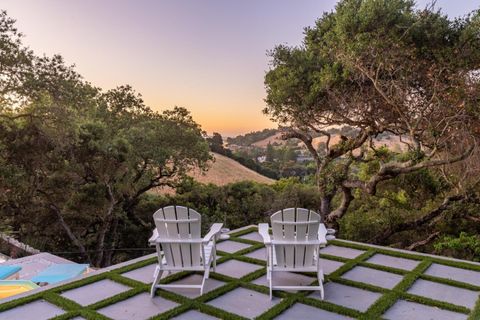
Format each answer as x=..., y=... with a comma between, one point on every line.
x=208, y=56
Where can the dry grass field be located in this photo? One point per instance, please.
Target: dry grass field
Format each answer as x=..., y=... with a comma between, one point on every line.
x=223, y=171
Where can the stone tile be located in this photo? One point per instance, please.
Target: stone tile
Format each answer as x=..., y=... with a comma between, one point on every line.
x=350, y=297
x=231, y=246
x=210, y=284
x=37, y=310
x=95, y=292
x=138, y=307
x=344, y=252
x=259, y=254
x=375, y=277
x=329, y=266
x=286, y=279
x=302, y=311
x=194, y=315
x=237, y=269
x=394, y=262
x=443, y=292
x=244, y=302
x=254, y=236
x=457, y=274
x=144, y=274
x=406, y=310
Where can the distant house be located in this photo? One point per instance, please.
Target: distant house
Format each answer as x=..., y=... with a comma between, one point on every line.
x=262, y=159
x=304, y=158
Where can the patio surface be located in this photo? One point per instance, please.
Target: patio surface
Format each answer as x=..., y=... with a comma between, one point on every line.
x=362, y=282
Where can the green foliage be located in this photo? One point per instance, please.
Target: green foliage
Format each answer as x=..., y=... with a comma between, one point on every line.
x=398, y=200
x=465, y=246
x=270, y=153
x=237, y=204
x=216, y=143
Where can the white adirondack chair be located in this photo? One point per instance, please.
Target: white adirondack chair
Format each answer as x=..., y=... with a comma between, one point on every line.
x=179, y=245
x=294, y=245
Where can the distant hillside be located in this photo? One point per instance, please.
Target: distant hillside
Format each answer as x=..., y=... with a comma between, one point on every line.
x=252, y=137
x=273, y=139
x=223, y=171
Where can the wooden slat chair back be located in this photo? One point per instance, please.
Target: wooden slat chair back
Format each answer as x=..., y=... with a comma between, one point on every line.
x=180, y=223
x=180, y=247
x=295, y=227
x=293, y=245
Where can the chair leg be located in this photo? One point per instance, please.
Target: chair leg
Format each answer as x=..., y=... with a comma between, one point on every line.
x=270, y=284
x=157, y=276
x=205, y=276
x=320, y=283
x=214, y=259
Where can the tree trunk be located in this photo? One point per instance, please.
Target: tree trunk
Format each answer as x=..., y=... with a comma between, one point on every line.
x=107, y=222
x=107, y=261
x=325, y=206
x=347, y=198
x=70, y=233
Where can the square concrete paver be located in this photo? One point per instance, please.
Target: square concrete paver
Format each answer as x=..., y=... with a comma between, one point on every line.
x=329, y=266
x=344, y=252
x=231, y=246
x=244, y=302
x=237, y=269
x=210, y=284
x=254, y=236
x=301, y=311
x=393, y=262
x=350, y=297
x=259, y=254
x=194, y=315
x=286, y=279
x=37, y=310
x=144, y=274
x=406, y=310
x=377, y=278
x=138, y=307
x=95, y=292
x=443, y=292
x=457, y=274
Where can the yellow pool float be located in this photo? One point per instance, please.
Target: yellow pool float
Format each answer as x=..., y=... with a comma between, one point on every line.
x=10, y=288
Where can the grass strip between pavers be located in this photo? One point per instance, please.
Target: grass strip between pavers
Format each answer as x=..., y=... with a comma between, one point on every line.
x=287, y=299
x=475, y=315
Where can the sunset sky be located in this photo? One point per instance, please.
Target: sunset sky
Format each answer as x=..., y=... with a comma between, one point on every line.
x=207, y=56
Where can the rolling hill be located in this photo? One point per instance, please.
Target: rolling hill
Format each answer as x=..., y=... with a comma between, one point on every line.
x=225, y=170
x=222, y=171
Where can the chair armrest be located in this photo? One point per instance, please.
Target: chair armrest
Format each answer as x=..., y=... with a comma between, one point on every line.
x=214, y=230
x=263, y=230
x=154, y=237
x=322, y=233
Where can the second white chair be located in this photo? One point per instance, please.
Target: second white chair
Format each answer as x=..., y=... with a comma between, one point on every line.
x=294, y=246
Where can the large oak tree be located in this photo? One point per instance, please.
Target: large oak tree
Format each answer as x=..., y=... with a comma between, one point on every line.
x=75, y=160
x=380, y=67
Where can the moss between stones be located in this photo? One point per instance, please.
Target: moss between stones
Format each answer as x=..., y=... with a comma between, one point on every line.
x=288, y=299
